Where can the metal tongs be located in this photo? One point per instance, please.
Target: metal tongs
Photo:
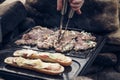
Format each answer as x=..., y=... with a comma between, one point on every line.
x=70, y=15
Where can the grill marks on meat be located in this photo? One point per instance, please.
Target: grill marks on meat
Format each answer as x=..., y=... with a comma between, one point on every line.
x=46, y=39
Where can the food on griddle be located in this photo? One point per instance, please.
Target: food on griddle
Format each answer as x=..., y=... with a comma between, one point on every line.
x=84, y=41
x=37, y=34
x=48, y=43
x=45, y=56
x=35, y=64
x=45, y=38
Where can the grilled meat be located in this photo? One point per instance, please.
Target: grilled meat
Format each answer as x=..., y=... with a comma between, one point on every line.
x=45, y=38
x=37, y=34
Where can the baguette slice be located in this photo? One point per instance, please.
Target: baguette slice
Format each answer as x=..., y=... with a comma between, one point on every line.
x=45, y=56
x=35, y=64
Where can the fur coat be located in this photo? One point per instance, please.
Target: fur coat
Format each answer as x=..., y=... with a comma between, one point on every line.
x=98, y=16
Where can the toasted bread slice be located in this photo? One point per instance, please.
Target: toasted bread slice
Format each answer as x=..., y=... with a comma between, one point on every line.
x=35, y=64
x=45, y=56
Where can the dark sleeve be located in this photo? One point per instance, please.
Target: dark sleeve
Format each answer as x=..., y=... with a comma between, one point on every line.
x=11, y=15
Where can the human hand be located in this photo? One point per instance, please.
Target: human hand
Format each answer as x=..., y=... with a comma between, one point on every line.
x=75, y=4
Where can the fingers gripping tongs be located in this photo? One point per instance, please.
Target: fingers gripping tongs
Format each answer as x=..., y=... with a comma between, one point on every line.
x=70, y=15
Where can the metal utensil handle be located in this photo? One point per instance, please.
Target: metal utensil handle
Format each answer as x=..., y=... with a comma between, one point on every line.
x=64, y=8
x=71, y=13
x=0, y=31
